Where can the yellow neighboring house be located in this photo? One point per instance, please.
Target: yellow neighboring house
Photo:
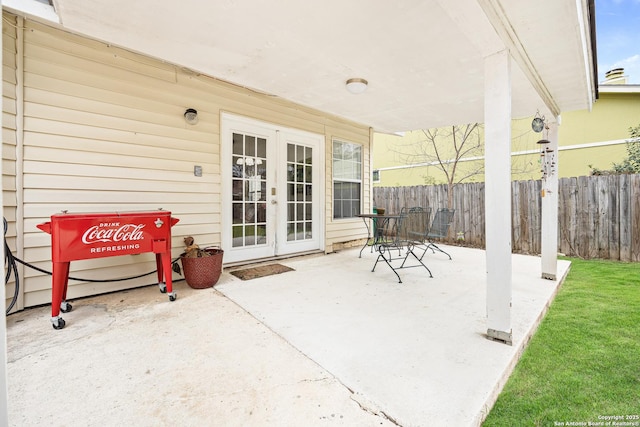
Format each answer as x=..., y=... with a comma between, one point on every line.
x=587, y=138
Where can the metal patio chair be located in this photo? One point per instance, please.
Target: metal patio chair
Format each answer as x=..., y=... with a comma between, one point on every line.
x=409, y=230
x=438, y=230
x=416, y=225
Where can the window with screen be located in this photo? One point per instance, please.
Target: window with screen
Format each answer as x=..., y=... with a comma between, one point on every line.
x=347, y=179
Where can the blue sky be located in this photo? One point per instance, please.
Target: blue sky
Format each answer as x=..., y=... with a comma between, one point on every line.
x=618, y=37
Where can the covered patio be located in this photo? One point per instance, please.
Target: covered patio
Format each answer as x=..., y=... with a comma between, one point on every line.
x=485, y=61
x=330, y=342
x=408, y=354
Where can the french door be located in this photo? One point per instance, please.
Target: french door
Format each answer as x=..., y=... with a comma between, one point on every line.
x=270, y=190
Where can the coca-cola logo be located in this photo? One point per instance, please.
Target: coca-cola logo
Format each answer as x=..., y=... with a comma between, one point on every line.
x=113, y=232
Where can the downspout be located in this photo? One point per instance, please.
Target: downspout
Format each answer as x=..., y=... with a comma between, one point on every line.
x=19, y=249
x=594, y=50
x=370, y=198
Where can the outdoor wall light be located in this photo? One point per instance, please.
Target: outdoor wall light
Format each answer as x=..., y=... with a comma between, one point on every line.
x=191, y=116
x=357, y=85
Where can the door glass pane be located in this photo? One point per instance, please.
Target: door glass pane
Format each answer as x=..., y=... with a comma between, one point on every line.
x=249, y=213
x=263, y=191
x=237, y=189
x=300, y=193
x=291, y=211
x=250, y=145
x=307, y=156
x=291, y=176
x=238, y=143
x=238, y=238
x=261, y=234
x=237, y=213
x=262, y=212
x=249, y=235
x=261, y=148
x=299, y=173
x=291, y=153
x=291, y=192
x=262, y=169
x=249, y=174
x=307, y=214
x=299, y=211
x=299, y=182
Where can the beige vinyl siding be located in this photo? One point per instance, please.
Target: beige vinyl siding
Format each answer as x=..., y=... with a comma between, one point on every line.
x=9, y=143
x=104, y=131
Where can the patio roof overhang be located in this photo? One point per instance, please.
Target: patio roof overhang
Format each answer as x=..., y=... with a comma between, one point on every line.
x=429, y=63
x=423, y=59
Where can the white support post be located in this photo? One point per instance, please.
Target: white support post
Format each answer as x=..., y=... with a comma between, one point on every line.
x=497, y=114
x=549, y=195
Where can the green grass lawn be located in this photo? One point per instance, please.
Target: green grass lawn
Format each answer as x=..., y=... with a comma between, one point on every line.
x=583, y=363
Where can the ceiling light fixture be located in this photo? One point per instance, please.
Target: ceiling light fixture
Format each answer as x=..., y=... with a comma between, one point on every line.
x=191, y=116
x=357, y=85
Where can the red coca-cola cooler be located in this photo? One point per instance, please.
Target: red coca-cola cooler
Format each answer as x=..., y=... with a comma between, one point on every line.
x=76, y=236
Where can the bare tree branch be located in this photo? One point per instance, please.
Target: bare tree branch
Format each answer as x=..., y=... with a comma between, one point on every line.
x=445, y=148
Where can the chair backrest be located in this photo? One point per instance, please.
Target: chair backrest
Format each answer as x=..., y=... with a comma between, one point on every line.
x=415, y=223
x=441, y=222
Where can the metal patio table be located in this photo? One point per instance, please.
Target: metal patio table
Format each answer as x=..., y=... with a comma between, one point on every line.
x=376, y=225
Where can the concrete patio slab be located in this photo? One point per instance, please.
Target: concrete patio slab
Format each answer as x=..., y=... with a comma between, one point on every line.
x=330, y=343
x=414, y=351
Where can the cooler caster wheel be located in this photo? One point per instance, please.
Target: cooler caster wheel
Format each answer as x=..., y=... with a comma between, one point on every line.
x=58, y=324
x=65, y=307
x=163, y=287
x=172, y=296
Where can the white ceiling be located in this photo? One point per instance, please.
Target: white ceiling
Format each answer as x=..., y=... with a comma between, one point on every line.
x=423, y=58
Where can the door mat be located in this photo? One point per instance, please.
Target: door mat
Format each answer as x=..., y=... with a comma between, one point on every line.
x=260, y=271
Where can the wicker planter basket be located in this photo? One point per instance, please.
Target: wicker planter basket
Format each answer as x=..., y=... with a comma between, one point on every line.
x=203, y=272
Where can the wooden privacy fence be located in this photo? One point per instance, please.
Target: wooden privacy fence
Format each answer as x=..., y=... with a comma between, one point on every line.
x=598, y=216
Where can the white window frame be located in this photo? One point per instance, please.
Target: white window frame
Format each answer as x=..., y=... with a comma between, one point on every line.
x=346, y=170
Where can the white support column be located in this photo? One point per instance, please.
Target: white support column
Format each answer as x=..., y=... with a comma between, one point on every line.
x=549, y=195
x=497, y=122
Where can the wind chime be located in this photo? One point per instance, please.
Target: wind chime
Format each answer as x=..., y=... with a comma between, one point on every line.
x=547, y=155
